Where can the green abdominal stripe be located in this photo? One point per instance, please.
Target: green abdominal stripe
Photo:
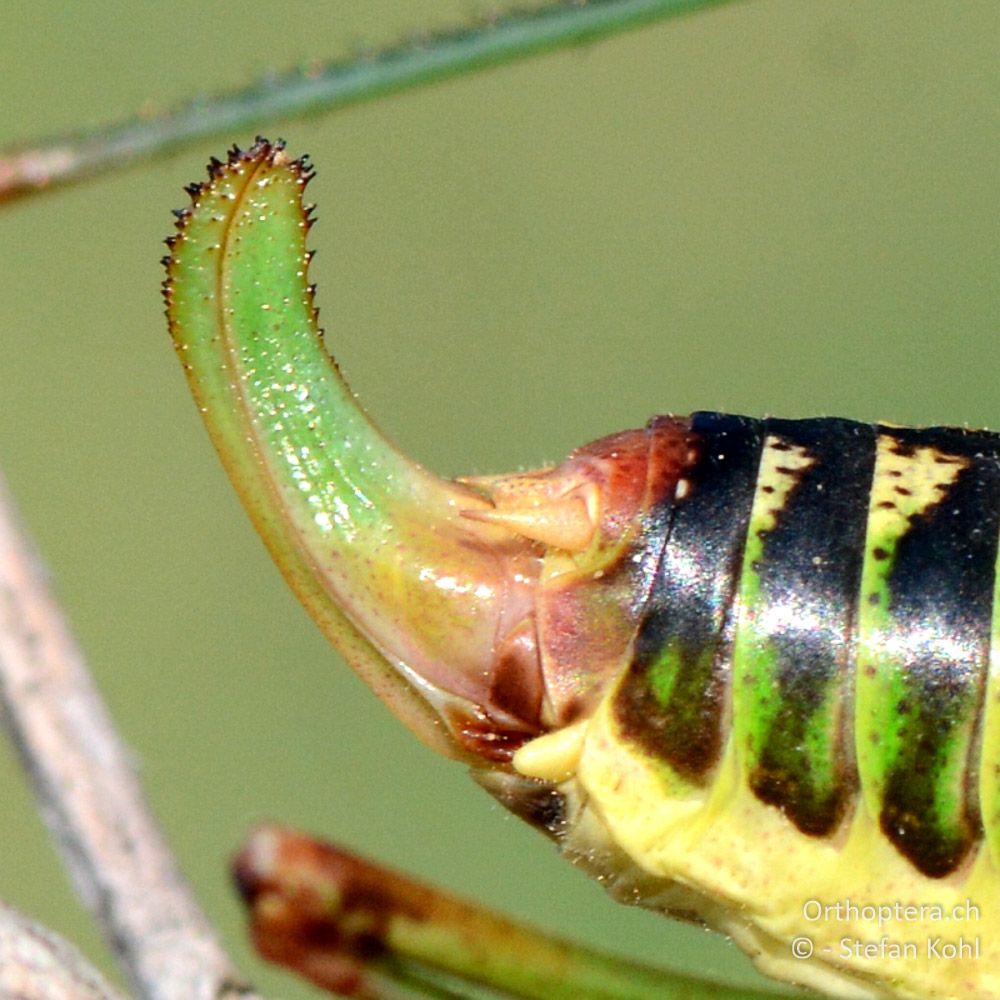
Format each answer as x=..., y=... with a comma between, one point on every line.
x=794, y=652
x=924, y=636
x=827, y=590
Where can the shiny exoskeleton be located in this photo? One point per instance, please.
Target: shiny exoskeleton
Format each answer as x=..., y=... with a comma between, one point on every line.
x=826, y=592
x=744, y=671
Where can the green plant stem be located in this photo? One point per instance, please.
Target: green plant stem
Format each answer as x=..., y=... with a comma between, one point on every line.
x=350, y=925
x=508, y=37
x=478, y=946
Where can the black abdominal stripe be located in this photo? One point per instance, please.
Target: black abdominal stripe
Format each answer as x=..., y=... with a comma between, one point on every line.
x=824, y=598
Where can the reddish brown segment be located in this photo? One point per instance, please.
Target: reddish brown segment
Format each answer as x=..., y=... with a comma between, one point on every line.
x=551, y=666
x=589, y=616
x=486, y=737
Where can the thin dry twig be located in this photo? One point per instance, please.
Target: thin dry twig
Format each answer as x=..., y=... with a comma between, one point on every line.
x=90, y=797
x=36, y=964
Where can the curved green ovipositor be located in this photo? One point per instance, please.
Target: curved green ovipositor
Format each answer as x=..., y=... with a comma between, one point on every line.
x=374, y=546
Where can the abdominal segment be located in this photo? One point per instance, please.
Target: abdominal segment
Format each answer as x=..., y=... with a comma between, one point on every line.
x=823, y=607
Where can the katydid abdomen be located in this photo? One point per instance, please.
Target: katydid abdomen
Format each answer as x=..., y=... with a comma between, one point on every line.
x=740, y=669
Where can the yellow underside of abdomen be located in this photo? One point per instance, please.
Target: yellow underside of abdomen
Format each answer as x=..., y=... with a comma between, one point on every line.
x=850, y=917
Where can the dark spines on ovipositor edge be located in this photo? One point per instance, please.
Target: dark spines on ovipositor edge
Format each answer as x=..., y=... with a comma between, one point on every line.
x=262, y=152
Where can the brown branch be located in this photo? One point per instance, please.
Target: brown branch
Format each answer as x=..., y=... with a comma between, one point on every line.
x=36, y=964
x=90, y=797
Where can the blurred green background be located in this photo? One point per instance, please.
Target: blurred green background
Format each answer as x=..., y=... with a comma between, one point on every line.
x=783, y=206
